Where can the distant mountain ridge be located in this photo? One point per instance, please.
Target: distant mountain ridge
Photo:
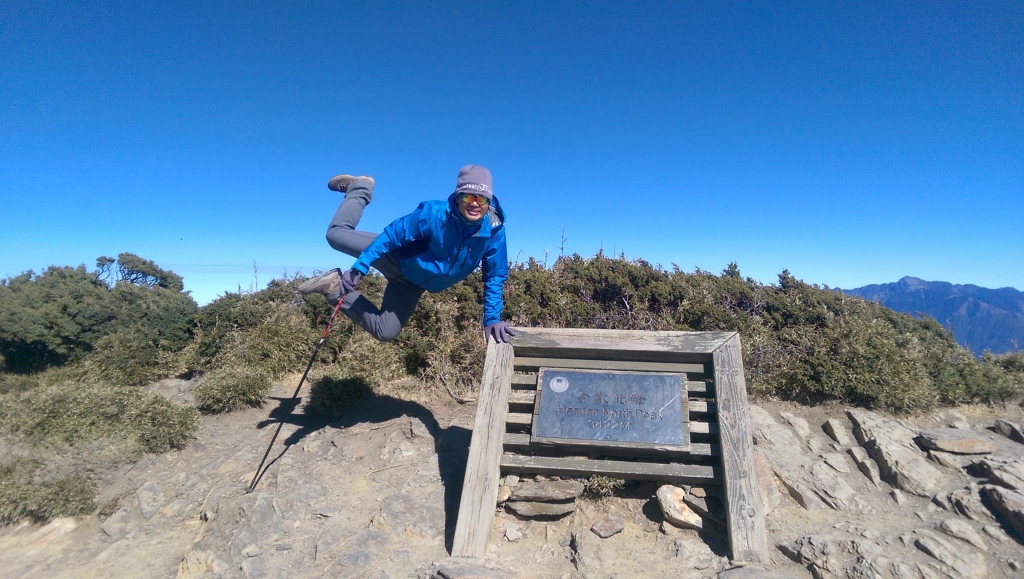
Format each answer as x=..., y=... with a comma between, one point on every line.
x=980, y=318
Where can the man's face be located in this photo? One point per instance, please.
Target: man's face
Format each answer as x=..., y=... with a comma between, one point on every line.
x=472, y=206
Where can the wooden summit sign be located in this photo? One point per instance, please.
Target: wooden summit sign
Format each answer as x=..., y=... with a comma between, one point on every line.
x=661, y=406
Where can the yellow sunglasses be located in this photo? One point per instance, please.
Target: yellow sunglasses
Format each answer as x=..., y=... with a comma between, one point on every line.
x=469, y=198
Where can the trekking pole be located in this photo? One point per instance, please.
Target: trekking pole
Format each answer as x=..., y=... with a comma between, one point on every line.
x=280, y=421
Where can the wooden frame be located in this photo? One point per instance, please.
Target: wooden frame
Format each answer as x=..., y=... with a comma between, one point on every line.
x=721, y=456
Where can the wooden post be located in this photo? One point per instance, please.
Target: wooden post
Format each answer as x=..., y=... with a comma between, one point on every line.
x=480, y=486
x=745, y=514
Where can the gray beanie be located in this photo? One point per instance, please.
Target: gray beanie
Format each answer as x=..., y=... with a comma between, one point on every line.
x=474, y=179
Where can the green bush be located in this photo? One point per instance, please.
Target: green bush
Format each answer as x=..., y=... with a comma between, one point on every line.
x=232, y=388
x=26, y=494
x=329, y=395
x=72, y=414
x=64, y=313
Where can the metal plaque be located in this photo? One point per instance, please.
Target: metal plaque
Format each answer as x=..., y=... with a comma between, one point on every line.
x=606, y=408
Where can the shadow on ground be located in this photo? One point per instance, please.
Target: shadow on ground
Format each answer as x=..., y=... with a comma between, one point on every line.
x=451, y=444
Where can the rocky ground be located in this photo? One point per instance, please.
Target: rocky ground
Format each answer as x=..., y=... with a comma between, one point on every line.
x=372, y=494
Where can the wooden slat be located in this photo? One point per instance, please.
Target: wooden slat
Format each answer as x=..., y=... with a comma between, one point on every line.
x=526, y=362
x=524, y=379
x=523, y=397
x=693, y=387
x=480, y=486
x=519, y=442
x=528, y=341
x=530, y=397
x=745, y=514
x=584, y=467
x=524, y=419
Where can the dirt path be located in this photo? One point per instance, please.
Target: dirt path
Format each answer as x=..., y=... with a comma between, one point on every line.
x=374, y=494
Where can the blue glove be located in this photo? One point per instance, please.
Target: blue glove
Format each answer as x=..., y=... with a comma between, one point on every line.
x=349, y=281
x=500, y=331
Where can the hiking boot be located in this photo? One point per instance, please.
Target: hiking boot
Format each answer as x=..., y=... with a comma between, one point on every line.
x=328, y=284
x=340, y=183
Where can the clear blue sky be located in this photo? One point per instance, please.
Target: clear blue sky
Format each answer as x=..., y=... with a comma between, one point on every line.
x=850, y=143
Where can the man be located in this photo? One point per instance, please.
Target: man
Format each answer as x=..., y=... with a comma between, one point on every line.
x=433, y=248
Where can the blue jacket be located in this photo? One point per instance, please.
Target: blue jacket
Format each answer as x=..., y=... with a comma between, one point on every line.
x=435, y=251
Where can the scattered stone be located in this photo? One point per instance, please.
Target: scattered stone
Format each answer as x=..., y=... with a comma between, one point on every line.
x=512, y=532
x=963, y=531
x=800, y=492
x=673, y=506
x=865, y=464
x=253, y=569
x=1009, y=504
x=284, y=547
x=121, y=522
x=418, y=429
x=1010, y=430
x=890, y=444
x=1014, y=564
x=954, y=440
x=836, y=430
x=607, y=527
x=700, y=492
x=511, y=480
x=707, y=507
x=799, y=424
x=815, y=444
x=837, y=461
x=547, y=491
x=151, y=498
x=996, y=533
x=967, y=502
x=503, y=494
x=970, y=565
x=770, y=495
x=326, y=512
x=465, y=571
x=957, y=420
x=252, y=551
x=1009, y=474
x=941, y=500
x=897, y=495
x=945, y=459
x=537, y=509
x=753, y=573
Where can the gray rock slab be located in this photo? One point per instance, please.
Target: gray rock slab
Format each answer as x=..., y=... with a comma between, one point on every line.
x=770, y=495
x=121, y=522
x=538, y=509
x=354, y=563
x=899, y=464
x=1010, y=430
x=151, y=499
x=865, y=464
x=1009, y=474
x=955, y=440
x=799, y=424
x=964, y=531
x=706, y=507
x=967, y=502
x=970, y=565
x=836, y=460
x=469, y=571
x=672, y=501
x=254, y=569
x=836, y=430
x=607, y=527
x=560, y=490
x=402, y=512
x=753, y=573
x=1009, y=505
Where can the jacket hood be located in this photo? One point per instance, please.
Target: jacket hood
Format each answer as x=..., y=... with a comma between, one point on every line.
x=494, y=212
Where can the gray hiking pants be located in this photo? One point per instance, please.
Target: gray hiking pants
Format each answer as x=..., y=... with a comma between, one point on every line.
x=400, y=295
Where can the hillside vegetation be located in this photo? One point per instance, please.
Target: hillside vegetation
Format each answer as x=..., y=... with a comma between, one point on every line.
x=76, y=346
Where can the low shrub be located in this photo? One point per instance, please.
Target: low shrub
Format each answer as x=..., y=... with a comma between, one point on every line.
x=232, y=388
x=73, y=413
x=25, y=493
x=330, y=395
